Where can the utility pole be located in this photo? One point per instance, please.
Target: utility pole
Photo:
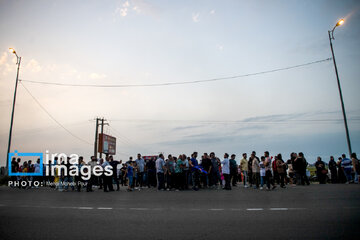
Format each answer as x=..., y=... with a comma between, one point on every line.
x=102, y=131
x=18, y=61
x=96, y=137
x=99, y=122
x=331, y=37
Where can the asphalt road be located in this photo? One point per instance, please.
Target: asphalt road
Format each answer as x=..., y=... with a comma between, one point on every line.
x=301, y=212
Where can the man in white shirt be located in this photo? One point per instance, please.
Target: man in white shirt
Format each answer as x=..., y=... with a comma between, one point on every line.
x=226, y=171
x=160, y=166
x=140, y=165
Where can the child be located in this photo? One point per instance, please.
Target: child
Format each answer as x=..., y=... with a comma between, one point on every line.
x=130, y=175
x=262, y=172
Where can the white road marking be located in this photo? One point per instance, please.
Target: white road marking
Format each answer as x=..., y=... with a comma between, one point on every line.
x=85, y=208
x=216, y=209
x=279, y=209
x=254, y=209
x=139, y=209
x=104, y=208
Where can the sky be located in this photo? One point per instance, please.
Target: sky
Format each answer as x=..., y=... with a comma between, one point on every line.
x=147, y=42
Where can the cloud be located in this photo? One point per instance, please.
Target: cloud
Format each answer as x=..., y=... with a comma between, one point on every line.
x=3, y=58
x=97, y=76
x=34, y=66
x=195, y=17
x=220, y=47
x=126, y=7
x=123, y=9
x=212, y=11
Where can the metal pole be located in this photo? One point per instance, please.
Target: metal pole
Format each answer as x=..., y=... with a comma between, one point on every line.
x=102, y=131
x=12, y=113
x=341, y=97
x=96, y=136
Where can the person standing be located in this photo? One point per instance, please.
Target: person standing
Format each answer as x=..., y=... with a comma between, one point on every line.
x=170, y=172
x=151, y=172
x=91, y=181
x=140, y=165
x=255, y=171
x=268, y=175
x=262, y=172
x=250, y=175
x=130, y=175
x=206, y=164
x=107, y=179
x=160, y=167
x=195, y=171
x=333, y=170
x=281, y=169
x=356, y=167
x=114, y=178
x=244, y=169
x=233, y=170
x=179, y=178
x=346, y=165
x=186, y=173
x=214, y=171
x=226, y=171
x=290, y=164
x=320, y=170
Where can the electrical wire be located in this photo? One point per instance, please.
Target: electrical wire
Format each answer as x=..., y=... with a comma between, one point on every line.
x=176, y=83
x=44, y=109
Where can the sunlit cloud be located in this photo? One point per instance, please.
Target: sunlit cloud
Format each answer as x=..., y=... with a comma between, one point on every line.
x=34, y=66
x=212, y=11
x=3, y=58
x=195, y=17
x=97, y=76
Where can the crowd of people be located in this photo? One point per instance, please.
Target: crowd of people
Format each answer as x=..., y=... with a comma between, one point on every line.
x=187, y=172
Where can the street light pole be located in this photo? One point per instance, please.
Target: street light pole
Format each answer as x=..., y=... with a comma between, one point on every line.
x=331, y=37
x=18, y=61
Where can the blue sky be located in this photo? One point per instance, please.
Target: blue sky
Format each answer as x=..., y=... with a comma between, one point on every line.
x=142, y=42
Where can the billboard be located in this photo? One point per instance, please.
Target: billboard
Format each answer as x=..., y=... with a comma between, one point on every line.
x=107, y=144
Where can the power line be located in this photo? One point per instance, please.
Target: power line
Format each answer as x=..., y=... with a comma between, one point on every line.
x=311, y=121
x=176, y=83
x=44, y=109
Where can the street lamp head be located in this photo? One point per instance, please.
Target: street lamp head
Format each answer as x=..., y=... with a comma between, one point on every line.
x=12, y=50
x=340, y=22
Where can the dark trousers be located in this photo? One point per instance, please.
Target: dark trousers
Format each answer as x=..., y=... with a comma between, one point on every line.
x=282, y=179
x=186, y=178
x=151, y=178
x=116, y=180
x=276, y=177
x=233, y=174
x=107, y=182
x=196, y=179
x=90, y=183
x=250, y=178
x=227, y=181
x=101, y=182
x=205, y=179
x=333, y=176
x=301, y=178
x=140, y=179
x=321, y=178
x=256, y=179
x=161, y=183
x=268, y=179
x=170, y=180
x=180, y=181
